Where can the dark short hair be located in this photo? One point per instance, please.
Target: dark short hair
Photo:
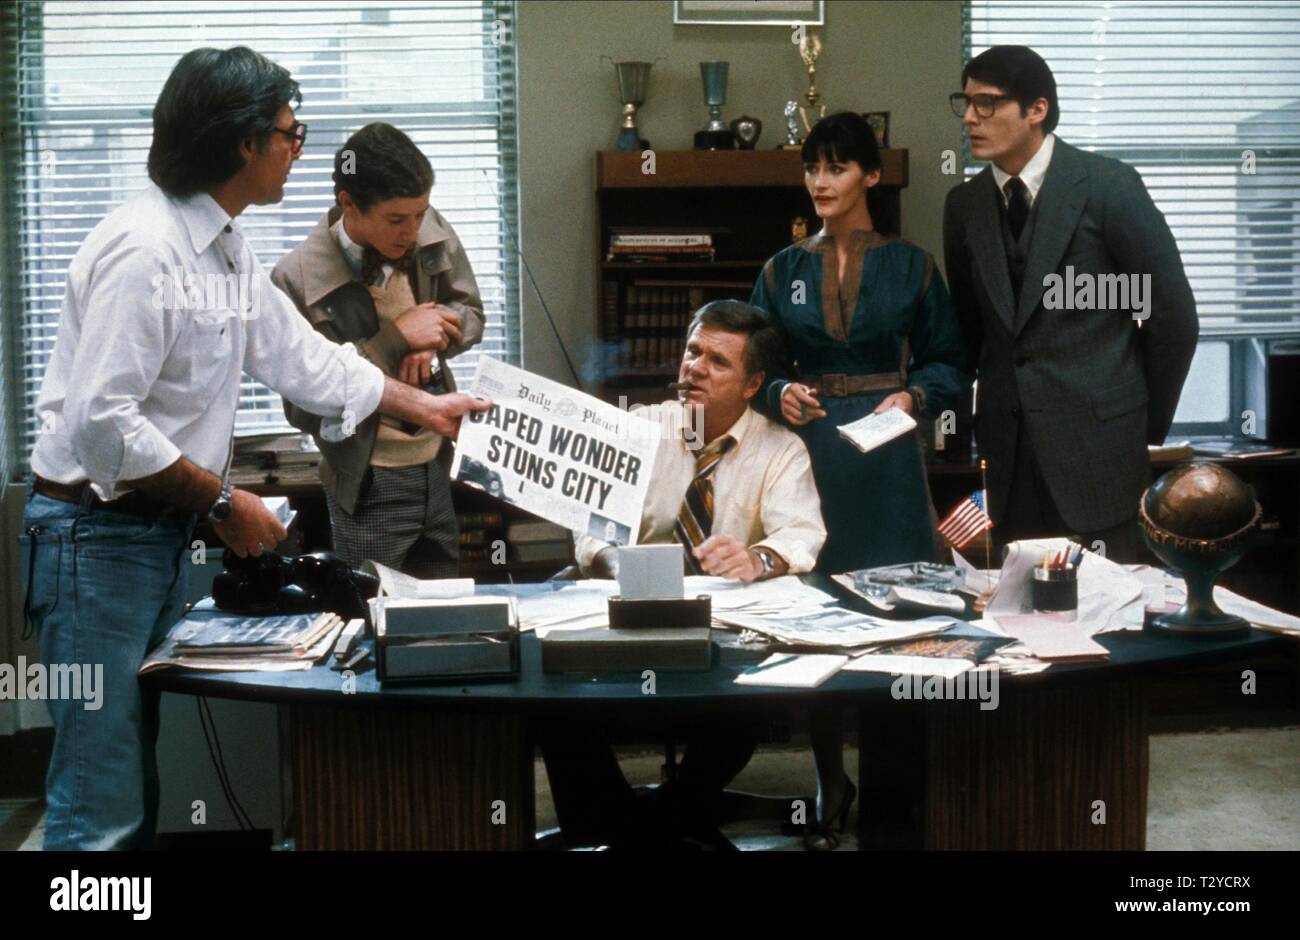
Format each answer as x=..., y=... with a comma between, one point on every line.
x=838, y=138
x=1021, y=73
x=384, y=164
x=213, y=101
x=764, y=347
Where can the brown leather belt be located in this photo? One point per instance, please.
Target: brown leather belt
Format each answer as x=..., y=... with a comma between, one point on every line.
x=839, y=385
x=134, y=503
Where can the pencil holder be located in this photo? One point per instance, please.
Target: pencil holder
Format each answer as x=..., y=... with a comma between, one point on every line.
x=1055, y=589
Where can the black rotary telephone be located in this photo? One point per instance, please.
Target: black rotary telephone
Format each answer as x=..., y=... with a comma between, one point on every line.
x=271, y=583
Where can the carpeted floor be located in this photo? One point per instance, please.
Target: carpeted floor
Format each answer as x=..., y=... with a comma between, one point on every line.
x=1209, y=790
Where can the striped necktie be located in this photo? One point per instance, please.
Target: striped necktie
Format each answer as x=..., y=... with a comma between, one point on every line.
x=695, y=518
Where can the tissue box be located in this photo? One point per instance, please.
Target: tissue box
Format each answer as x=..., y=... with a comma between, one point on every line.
x=446, y=639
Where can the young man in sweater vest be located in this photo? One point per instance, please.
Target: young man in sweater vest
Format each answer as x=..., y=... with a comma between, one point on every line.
x=383, y=270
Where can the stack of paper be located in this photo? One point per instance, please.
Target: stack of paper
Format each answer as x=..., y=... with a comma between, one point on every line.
x=1054, y=637
x=213, y=640
x=793, y=670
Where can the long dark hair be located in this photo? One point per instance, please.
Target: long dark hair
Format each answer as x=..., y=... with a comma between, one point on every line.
x=213, y=101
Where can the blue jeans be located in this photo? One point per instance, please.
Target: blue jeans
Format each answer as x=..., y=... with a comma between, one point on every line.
x=102, y=588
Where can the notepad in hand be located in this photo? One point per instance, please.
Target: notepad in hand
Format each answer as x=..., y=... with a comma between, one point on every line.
x=868, y=433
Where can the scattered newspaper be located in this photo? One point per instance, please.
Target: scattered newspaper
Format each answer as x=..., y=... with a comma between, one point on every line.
x=558, y=453
x=833, y=627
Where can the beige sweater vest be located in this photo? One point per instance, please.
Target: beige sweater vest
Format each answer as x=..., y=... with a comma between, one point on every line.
x=393, y=446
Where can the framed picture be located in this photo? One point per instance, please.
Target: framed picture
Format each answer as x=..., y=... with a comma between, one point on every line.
x=750, y=12
x=879, y=121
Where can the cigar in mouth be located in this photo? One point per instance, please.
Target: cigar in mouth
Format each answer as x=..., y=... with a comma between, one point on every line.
x=679, y=386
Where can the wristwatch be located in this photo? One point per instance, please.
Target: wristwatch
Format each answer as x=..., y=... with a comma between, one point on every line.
x=765, y=558
x=221, y=508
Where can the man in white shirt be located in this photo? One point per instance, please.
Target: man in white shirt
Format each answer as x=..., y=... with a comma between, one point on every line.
x=165, y=306
x=765, y=515
x=736, y=491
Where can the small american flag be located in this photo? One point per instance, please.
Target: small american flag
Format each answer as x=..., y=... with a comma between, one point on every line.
x=966, y=521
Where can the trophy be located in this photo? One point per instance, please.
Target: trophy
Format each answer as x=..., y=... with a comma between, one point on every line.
x=810, y=47
x=793, y=140
x=747, y=130
x=633, y=79
x=716, y=134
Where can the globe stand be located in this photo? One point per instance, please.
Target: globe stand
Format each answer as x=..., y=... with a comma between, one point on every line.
x=1200, y=617
x=1200, y=561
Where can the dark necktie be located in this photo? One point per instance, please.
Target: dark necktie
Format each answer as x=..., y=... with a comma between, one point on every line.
x=695, y=518
x=372, y=263
x=1017, y=204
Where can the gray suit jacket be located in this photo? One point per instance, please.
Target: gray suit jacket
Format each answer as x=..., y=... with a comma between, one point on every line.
x=1089, y=387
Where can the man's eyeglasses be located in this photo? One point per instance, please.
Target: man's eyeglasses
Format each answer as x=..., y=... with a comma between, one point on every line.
x=985, y=105
x=298, y=131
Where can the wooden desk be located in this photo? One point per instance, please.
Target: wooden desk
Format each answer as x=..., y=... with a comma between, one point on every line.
x=451, y=766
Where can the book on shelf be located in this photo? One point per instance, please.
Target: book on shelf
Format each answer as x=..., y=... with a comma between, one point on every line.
x=484, y=520
x=660, y=253
x=665, y=240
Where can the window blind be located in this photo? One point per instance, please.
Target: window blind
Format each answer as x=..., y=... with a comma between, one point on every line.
x=89, y=73
x=1203, y=99
x=9, y=256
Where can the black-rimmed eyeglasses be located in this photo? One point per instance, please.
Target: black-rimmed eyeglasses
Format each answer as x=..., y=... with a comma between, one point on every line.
x=985, y=105
x=298, y=131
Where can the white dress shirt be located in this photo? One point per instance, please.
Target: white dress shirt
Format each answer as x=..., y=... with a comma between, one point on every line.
x=355, y=254
x=763, y=490
x=165, y=306
x=1033, y=173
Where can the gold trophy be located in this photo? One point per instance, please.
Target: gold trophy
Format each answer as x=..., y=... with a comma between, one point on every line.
x=810, y=47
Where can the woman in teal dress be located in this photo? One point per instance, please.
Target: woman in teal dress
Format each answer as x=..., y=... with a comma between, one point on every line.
x=869, y=323
x=870, y=326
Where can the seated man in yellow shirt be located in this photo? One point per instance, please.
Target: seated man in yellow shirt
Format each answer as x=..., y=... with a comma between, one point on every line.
x=736, y=490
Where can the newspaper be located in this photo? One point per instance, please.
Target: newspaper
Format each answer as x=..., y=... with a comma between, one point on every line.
x=832, y=626
x=394, y=583
x=557, y=453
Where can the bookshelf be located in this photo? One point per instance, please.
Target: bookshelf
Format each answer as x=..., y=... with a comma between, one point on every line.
x=746, y=199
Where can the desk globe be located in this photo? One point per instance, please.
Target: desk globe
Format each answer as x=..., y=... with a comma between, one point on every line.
x=1199, y=519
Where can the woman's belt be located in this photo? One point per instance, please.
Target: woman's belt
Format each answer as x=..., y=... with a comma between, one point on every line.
x=839, y=385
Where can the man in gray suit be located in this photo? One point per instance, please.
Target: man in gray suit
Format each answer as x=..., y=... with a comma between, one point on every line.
x=1074, y=305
